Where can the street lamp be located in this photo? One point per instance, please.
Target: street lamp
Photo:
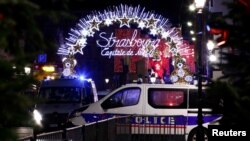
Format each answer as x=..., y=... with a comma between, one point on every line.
x=106, y=80
x=106, y=83
x=199, y=5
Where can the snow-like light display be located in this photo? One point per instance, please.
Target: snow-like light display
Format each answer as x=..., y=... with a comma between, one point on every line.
x=124, y=16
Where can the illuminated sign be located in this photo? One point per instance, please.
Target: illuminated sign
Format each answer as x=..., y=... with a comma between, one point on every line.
x=42, y=58
x=111, y=46
x=48, y=68
x=156, y=25
x=160, y=43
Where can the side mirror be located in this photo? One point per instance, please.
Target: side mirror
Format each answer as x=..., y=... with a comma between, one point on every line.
x=106, y=104
x=111, y=103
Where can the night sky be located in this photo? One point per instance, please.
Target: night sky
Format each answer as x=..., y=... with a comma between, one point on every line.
x=171, y=9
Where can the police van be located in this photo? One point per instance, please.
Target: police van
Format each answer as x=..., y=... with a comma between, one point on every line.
x=58, y=97
x=154, y=104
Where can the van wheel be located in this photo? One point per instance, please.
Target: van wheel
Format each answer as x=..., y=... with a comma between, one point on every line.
x=192, y=134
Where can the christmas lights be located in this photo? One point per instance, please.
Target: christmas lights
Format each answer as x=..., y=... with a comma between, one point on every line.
x=122, y=15
x=125, y=16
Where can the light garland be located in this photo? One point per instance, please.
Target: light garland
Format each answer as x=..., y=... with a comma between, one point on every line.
x=123, y=16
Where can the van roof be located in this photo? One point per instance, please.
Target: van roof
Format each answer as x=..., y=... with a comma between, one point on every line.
x=63, y=82
x=163, y=85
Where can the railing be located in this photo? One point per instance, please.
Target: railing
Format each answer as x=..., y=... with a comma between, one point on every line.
x=132, y=128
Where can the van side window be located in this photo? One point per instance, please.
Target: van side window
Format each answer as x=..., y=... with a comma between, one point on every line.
x=123, y=98
x=167, y=98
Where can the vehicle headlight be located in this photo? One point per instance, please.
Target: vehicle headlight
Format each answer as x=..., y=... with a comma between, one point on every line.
x=37, y=117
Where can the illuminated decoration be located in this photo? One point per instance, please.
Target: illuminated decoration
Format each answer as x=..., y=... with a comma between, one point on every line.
x=94, y=23
x=69, y=64
x=142, y=24
x=48, y=68
x=220, y=35
x=181, y=73
x=157, y=64
x=108, y=22
x=123, y=16
x=27, y=70
x=124, y=21
x=152, y=22
x=125, y=46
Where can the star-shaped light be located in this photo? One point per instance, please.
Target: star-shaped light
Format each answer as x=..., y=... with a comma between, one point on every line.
x=91, y=33
x=94, y=23
x=142, y=24
x=82, y=42
x=108, y=22
x=78, y=48
x=152, y=22
x=164, y=34
x=84, y=32
x=153, y=31
x=124, y=21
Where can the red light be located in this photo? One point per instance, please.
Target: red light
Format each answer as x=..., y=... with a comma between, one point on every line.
x=36, y=67
x=170, y=104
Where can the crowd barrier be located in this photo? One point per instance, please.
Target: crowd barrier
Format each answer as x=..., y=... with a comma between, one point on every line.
x=129, y=128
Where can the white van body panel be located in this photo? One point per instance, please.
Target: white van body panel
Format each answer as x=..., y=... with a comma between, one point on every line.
x=149, y=114
x=156, y=111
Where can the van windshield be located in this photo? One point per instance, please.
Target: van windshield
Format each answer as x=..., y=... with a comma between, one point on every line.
x=59, y=94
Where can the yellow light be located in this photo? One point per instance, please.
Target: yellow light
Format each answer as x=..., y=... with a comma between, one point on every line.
x=192, y=7
x=191, y=32
x=189, y=23
x=48, y=68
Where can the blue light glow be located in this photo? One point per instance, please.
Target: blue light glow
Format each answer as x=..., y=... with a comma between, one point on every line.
x=82, y=78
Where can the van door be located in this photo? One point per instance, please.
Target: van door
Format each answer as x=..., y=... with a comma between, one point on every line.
x=166, y=101
x=126, y=101
x=167, y=106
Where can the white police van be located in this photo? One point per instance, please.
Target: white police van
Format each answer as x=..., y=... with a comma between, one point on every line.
x=58, y=97
x=156, y=103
